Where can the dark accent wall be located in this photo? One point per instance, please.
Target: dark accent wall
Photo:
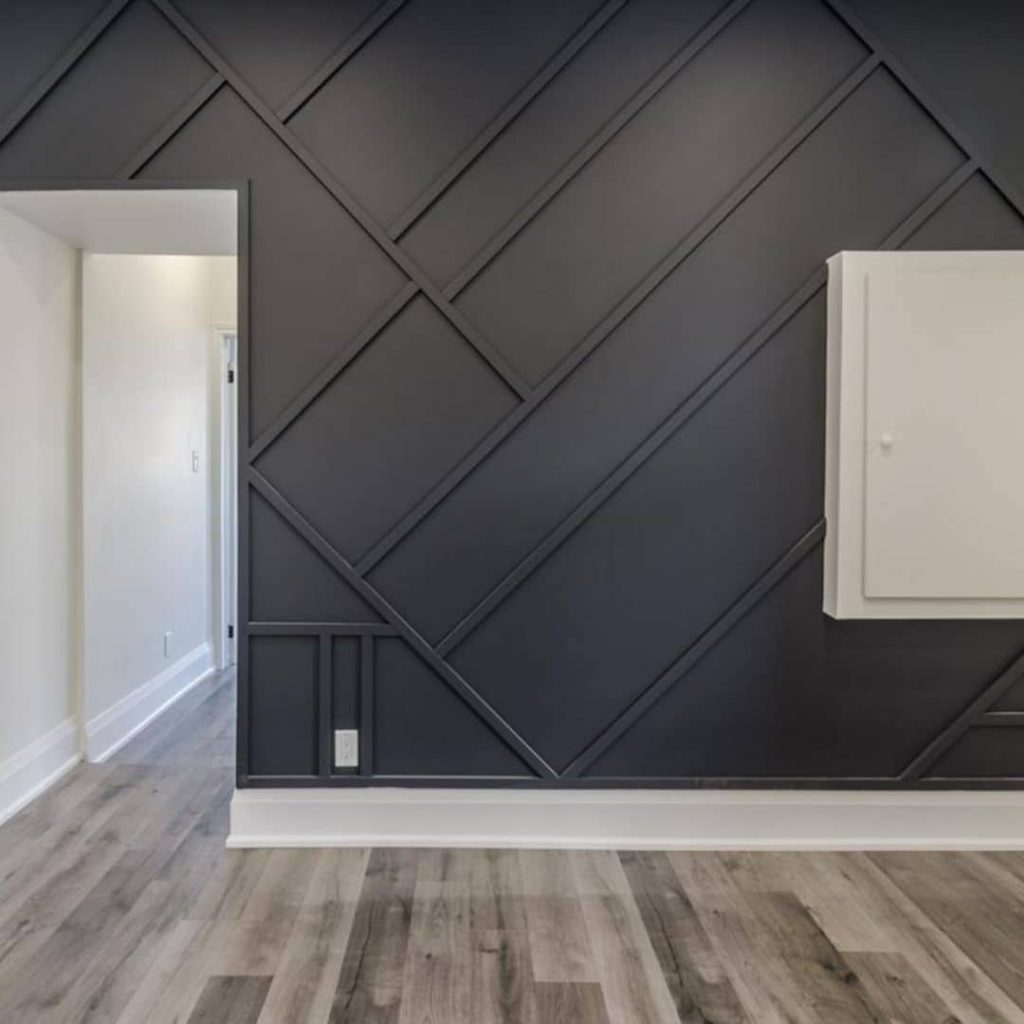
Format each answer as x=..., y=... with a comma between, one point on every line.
x=533, y=448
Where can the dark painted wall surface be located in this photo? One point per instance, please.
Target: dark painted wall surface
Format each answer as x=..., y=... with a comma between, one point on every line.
x=536, y=349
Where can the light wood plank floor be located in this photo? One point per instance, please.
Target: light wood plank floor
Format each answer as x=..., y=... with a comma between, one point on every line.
x=118, y=903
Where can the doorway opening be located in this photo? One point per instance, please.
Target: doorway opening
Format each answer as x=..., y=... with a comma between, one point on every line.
x=122, y=348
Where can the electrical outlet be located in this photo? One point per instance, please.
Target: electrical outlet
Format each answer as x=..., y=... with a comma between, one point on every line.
x=346, y=748
x=167, y=644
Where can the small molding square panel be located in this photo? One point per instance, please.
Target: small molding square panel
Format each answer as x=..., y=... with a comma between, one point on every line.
x=924, y=481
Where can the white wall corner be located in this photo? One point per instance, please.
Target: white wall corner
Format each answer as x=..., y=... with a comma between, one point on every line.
x=628, y=819
x=112, y=729
x=38, y=766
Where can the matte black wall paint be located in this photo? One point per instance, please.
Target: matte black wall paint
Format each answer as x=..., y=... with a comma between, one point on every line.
x=534, y=435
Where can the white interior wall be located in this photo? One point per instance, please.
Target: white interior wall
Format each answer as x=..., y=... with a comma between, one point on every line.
x=148, y=521
x=38, y=534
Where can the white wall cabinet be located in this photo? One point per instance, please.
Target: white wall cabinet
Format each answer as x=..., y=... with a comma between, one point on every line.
x=924, y=493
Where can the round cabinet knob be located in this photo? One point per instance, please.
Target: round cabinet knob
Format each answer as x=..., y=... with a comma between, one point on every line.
x=886, y=441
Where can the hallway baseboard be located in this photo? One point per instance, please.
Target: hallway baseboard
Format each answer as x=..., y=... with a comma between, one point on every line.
x=628, y=819
x=112, y=729
x=36, y=767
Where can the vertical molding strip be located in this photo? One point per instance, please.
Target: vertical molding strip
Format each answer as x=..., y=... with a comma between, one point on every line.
x=367, y=677
x=244, y=611
x=324, y=703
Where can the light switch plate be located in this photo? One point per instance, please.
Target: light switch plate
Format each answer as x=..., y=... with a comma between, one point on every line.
x=346, y=748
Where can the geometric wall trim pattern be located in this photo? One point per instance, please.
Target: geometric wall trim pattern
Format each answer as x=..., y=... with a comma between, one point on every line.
x=534, y=381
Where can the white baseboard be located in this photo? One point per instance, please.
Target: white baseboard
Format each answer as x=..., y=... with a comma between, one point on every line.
x=628, y=819
x=37, y=767
x=112, y=729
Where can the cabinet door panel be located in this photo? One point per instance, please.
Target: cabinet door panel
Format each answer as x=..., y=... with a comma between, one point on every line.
x=944, y=467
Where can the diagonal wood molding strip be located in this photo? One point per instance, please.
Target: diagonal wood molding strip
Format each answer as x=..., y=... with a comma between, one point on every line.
x=346, y=200
x=719, y=629
x=594, y=145
x=693, y=239
x=369, y=28
x=976, y=712
x=410, y=521
x=690, y=406
x=971, y=714
x=330, y=372
x=429, y=502
x=620, y=312
x=405, y=629
x=504, y=118
x=174, y=124
x=70, y=58
x=383, y=14
x=927, y=102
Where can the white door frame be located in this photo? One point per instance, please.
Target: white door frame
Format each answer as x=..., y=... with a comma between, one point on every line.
x=227, y=624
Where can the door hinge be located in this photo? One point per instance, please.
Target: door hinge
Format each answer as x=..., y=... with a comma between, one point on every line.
x=231, y=375
x=231, y=632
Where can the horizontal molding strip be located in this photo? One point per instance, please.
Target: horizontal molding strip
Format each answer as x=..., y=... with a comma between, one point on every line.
x=870, y=783
x=264, y=628
x=1010, y=719
x=635, y=819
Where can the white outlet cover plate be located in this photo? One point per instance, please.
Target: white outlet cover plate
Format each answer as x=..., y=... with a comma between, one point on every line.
x=346, y=748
